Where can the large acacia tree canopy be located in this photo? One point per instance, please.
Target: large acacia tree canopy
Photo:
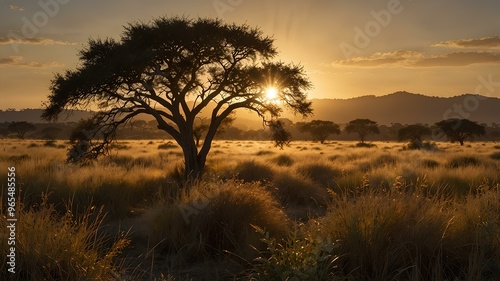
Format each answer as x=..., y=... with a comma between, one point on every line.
x=172, y=69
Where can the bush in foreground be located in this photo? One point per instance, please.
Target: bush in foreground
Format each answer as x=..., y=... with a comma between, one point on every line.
x=217, y=217
x=49, y=247
x=408, y=236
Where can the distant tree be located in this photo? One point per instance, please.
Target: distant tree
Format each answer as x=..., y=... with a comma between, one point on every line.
x=320, y=130
x=81, y=150
x=21, y=128
x=202, y=125
x=199, y=129
x=413, y=133
x=281, y=136
x=157, y=68
x=140, y=124
x=362, y=127
x=460, y=129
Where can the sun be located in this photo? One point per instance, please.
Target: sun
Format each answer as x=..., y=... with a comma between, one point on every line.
x=271, y=93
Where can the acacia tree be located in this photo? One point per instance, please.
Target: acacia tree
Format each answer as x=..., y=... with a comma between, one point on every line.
x=460, y=129
x=363, y=127
x=172, y=69
x=320, y=130
x=413, y=133
x=21, y=128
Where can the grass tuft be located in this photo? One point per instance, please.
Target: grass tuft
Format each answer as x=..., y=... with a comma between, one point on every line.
x=213, y=218
x=283, y=160
x=463, y=161
x=250, y=171
x=495, y=156
x=50, y=247
x=320, y=172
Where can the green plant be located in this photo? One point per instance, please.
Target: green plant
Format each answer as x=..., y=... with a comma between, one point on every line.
x=298, y=257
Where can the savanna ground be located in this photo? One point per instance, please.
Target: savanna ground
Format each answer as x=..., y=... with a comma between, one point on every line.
x=308, y=212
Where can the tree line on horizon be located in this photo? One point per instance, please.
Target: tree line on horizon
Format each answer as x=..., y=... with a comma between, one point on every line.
x=455, y=130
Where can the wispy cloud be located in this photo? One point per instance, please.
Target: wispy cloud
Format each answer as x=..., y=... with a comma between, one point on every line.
x=403, y=58
x=395, y=58
x=18, y=61
x=485, y=42
x=34, y=41
x=16, y=8
x=458, y=59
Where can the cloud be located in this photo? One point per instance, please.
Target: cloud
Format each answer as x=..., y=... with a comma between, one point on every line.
x=395, y=58
x=458, y=59
x=485, y=42
x=18, y=61
x=404, y=58
x=33, y=41
x=16, y=8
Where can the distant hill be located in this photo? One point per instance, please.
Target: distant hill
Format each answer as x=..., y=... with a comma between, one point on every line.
x=33, y=116
x=407, y=108
x=399, y=107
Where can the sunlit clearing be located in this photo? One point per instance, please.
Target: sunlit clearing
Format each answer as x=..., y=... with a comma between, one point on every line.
x=271, y=93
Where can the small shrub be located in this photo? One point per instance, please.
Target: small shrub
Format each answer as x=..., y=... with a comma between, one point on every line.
x=252, y=170
x=495, y=156
x=299, y=190
x=319, y=172
x=426, y=145
x=365, y=144
x=496, y=147
x=212, y=218
x=385, y=160
x=168, y=145
x=50, y=143
x=283, y=160
x=119, y=146
x=264, y=152
x=19, y=158
x=463, y=161
x=429, y=163
x=33, y=145
x=297, y=258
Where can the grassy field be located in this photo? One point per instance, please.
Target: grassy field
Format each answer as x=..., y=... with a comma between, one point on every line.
x=309, y=212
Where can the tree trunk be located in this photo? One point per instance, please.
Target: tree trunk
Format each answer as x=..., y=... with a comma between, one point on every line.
x=192, y=167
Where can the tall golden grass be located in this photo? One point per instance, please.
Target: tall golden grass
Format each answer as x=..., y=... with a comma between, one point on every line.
x=378, y=213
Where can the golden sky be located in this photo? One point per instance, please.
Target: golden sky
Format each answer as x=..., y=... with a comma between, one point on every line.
x=349, y=48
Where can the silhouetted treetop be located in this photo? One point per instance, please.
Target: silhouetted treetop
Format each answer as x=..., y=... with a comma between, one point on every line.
x=172, y=69
x=320, y=130
x=21, y=128
x=460, y=129
x=413, y=132
x=363, y=127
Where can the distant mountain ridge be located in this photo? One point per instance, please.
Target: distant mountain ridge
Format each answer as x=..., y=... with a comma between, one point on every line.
x=398, y=107
x=408, y=108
